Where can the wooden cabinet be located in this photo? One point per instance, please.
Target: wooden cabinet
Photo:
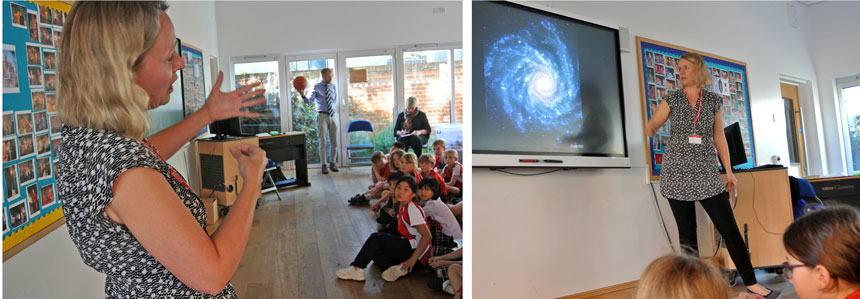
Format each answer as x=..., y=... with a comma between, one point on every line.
x=763, y=211
x=219, y=171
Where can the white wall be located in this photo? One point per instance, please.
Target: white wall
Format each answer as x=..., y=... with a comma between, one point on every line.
x=835, y=45
x=248, y=28
x=579, y=230
x=52, y=267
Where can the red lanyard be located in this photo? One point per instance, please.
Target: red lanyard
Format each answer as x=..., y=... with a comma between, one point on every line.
x=172, y=171
x=696, y=119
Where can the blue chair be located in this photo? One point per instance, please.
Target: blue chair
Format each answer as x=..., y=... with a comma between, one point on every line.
x=357, y=126
x=804, y=198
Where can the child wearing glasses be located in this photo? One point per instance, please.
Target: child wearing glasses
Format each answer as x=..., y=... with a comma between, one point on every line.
x=824, y=254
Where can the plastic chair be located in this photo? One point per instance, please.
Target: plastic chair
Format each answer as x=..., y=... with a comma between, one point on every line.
x=357, y=126
x=804, y=199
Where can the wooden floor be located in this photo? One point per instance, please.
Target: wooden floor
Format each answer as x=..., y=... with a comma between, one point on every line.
x=297, y=243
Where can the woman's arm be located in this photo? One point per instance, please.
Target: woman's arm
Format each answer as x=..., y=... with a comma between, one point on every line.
x=422, y=245
x=658, y=119
x=421, y=125
x=398, y=124
x=723, y=150
x=218, y=106
x=148, y=206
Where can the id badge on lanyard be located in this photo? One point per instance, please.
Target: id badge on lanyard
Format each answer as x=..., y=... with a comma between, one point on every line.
x=693, y=138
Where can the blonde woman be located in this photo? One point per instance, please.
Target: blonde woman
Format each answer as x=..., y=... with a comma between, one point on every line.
x=412, y=127
x=131, y=215
x=690, y=172
x=681, y=276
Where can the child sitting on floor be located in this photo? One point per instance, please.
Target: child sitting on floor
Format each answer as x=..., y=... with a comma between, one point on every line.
x=453, y=173
x=682, y=276
x=439, y=153
x=386, y=208
x=426, y=162
x=443, y=225
x=452, y=263
x=378, y=174
x=398, y=254
x=409, y=165
x=396, y=146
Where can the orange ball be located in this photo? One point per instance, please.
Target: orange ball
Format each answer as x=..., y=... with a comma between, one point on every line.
x=300, y=83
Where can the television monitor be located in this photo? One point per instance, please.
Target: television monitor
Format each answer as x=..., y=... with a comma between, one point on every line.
x=735, y=142
x=547, y=89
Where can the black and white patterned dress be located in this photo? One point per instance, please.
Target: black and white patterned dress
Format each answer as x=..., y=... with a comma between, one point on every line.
x=91, y=162
x=690, y=170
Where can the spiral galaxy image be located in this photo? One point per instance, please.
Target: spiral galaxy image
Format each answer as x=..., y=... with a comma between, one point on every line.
x=532, y=82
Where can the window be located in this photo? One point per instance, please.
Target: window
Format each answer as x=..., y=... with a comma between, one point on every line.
x=849, y=94
x=265, y=72
x=435, y=77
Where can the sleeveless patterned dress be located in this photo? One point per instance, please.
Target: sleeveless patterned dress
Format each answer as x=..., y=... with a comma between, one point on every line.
x=91, y=162
x=689, y=170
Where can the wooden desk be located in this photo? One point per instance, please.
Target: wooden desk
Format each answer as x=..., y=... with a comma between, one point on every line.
x=763, y=211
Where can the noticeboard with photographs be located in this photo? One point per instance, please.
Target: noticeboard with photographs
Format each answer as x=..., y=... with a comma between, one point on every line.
x=193, y=89
x=658, y=76
x=31, y=128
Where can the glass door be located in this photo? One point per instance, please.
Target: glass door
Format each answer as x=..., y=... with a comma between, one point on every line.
x=266, y=73
x=369, y=80
x=304, y=115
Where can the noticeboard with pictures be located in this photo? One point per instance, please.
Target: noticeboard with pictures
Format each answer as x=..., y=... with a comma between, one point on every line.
x=31, y=127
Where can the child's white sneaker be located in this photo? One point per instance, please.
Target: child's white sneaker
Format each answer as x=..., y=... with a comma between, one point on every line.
x=447, y=287
x=393, y=273
x=350, y=273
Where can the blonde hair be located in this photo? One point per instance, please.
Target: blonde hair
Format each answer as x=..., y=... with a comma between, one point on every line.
x=702, y=77
x=439, y=141
x=681, y=276
x=453, y=152
x=411, y=159
x=102, y=44
x=427, y=158
x=411, y=101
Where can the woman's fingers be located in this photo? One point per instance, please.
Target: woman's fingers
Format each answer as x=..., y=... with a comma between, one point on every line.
x=246, y=88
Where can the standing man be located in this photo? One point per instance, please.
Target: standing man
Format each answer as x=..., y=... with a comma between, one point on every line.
x=325, y=97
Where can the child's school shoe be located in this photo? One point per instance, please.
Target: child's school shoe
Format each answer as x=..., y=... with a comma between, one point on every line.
x=350, y=273
x=447, y=287
x=393, y=273
x=358, y=200
x=774, y=294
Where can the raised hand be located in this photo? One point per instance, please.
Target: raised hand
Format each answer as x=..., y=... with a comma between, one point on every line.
x=252, y=161
x=220, y=105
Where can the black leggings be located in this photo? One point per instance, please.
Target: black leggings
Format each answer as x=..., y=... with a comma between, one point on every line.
x=385, y=250
x=720, y=211
x=415, y=142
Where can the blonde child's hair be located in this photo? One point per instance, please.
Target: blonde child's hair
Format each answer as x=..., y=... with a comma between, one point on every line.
x=376, y=157
x=411, y=159
x=681, y=276
x=396, y=154
x=96, y=85
x=427, y=158
x=453, y=152
x=439, y=141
